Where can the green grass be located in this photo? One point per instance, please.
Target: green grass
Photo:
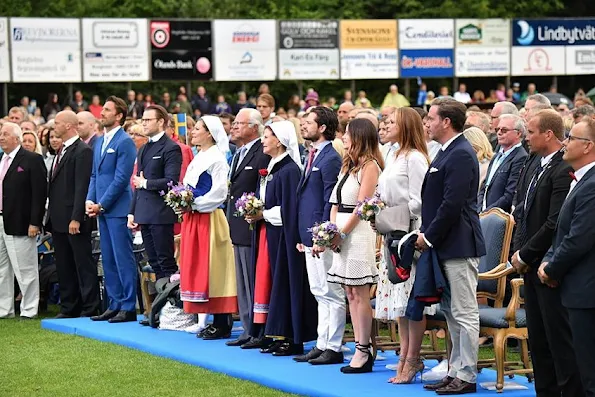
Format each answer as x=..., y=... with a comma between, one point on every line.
x=37, y=362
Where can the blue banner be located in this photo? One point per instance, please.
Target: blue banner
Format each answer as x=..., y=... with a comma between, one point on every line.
x=426, y=63
x=548, y=32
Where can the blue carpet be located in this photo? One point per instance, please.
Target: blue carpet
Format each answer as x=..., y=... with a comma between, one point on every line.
x=280, y=373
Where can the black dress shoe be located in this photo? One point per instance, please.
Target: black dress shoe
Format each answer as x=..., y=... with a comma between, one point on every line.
x=311, y=355
x=144, y=322
x=457, y=387
x=435, y=386
x=236, y=342
x=255, y=343
x=328, y=357
x=62, y=315
x=123, y=317
x=217, y=333
x=105, y=316
x=204, y=331
x=289, y=349
x=271, y=347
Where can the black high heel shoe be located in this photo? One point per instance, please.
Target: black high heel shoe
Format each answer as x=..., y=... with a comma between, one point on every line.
x=367, y=367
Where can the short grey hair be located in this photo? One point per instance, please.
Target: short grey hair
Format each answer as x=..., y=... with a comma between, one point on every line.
x=584, y=110
x=483, y=120
x=518, y=122
x=539, y=98
x=254, y=118
x=15, y=129
x=507, y=108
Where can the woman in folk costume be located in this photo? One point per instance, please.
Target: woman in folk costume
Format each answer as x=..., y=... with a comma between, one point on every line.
x=207, y=267
x=284, y=309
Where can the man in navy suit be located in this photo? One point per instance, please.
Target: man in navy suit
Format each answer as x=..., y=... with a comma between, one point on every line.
x=158, y=163
x=450, y=225
x=568, y=265
x=322, y=167
x=109, y=199
x=497, y=190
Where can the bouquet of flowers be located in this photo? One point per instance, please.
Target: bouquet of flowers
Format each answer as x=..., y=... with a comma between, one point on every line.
x=324, y=233
x=248, y=204
x=369, y=208
x=178, y=198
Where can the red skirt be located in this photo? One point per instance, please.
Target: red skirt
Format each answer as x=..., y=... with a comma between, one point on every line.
x=263, y=283
x=207, y=267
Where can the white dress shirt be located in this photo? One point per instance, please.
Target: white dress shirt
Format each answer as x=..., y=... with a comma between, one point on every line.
x=579, y=174
x=107, y=137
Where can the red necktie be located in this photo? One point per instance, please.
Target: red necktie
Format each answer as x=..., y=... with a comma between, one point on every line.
x=58, y=156
x=310, y=159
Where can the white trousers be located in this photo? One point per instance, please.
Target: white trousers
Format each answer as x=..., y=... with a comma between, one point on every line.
x=18, y=257
x=331, y=301
x=462, y=316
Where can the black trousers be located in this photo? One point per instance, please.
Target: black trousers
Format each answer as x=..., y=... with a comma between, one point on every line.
x=223, y=321
x=582, y=322
x=159, y=246
x=77, y=274
x=552, y=352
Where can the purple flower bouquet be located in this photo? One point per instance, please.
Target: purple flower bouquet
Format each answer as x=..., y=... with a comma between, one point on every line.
x=178, y=198
x=368, y=208
x=323, y=233
x=248, y=204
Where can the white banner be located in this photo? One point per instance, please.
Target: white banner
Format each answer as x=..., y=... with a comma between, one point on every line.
x=305, y=64
x=115, y=50
x=420, y=34
x=538, y=61
x=482, y=32
x=45, y=50
x=245, y=50
x=4, y=55
x=482, y=61
x=369, y=64
x=580, y=60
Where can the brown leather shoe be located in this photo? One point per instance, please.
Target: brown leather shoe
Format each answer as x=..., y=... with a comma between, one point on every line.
x=456, y=387
x=435, y=386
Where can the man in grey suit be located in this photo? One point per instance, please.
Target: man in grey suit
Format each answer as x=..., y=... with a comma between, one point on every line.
x=569, y=264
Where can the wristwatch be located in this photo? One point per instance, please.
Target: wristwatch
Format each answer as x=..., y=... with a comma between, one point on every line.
x=343, y=235
x=101, y=209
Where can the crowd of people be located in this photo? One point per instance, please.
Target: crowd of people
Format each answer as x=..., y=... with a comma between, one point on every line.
x=436, y=168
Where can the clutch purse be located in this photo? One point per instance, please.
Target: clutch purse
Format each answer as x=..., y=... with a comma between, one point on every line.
x=393, y=219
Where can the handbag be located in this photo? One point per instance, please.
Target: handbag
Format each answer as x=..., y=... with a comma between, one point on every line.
x=393, y=219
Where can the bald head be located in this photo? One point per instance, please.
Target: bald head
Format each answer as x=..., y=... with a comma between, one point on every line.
x=86, y=124
x=368, y=116
x=343, y=111
x=65, y=124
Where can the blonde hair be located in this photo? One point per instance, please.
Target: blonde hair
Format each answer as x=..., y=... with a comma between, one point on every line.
x=478, y=140
x=298, y=132
x=37, y=143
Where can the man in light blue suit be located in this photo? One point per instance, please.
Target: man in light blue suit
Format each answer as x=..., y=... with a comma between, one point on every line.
x=109, y=200
x=321, y=170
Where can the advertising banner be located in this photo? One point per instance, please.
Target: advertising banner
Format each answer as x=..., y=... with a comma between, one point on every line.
x=482, y=47
x=181, y=50
x=553, y=32
x=580, y=59
x=421, y=34
x=538, y=61
x=246, y=50
x=4, y=53
x=115, y=50
x=427, y=63
x=45, y=50
x=369, y=49
x=308, y=50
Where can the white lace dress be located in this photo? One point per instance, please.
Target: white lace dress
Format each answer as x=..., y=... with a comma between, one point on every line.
x=356, y=263
x=400, y=183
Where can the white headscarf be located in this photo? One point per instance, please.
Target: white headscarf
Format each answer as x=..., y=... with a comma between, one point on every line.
x=285, y=133
x=215, y=127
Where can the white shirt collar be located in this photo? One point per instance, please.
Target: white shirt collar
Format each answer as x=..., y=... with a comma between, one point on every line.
x=157, y=137
x=447, y=143
x=583, y=170
x=276, y=160
x=70, y=141
x=110, y=134
x=249, y=145
x=548, y=158
x=510, y=149
x=13, y=154
x=320, y=145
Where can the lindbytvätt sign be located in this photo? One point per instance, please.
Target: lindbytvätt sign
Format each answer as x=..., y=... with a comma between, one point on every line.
x=181, y=50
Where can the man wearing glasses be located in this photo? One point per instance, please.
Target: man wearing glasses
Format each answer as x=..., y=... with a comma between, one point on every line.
x=497, y=190
x=498, y=110
x=543, y=186
x=568, y=265
x=158, y=164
